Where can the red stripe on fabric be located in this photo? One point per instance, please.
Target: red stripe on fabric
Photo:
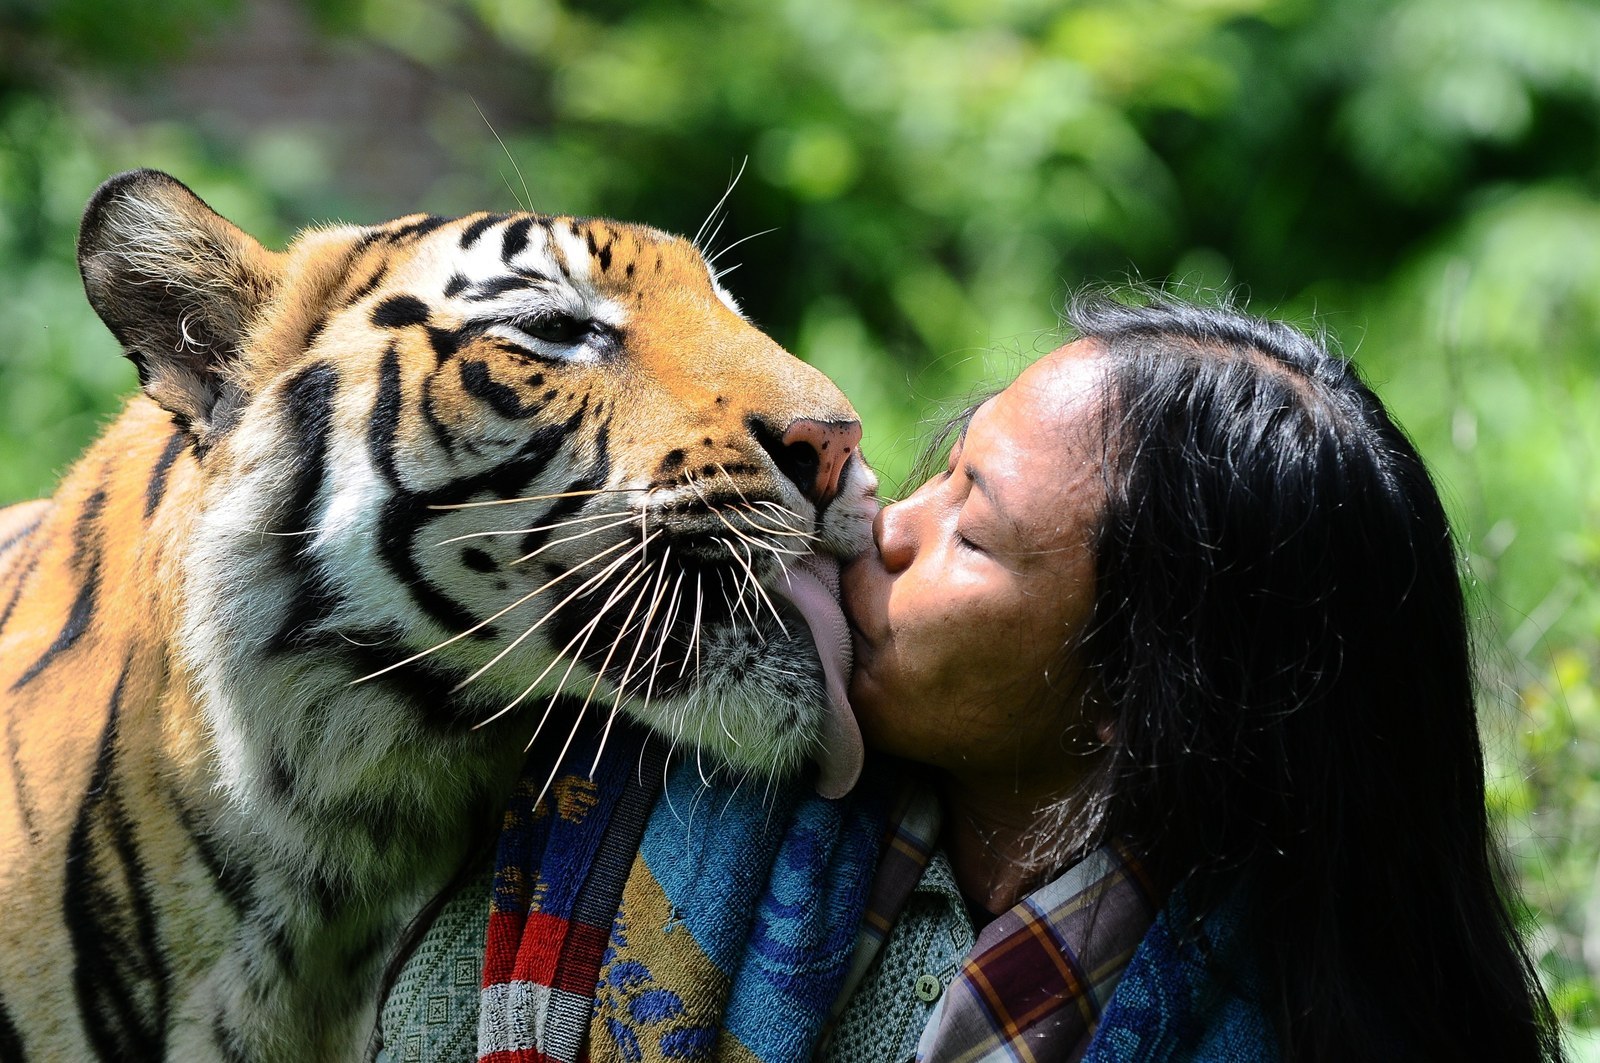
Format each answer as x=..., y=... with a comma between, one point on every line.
x=530, y=1055
x=540, y=948
x=500, y=954
x=518, y=1055
x=580, y=962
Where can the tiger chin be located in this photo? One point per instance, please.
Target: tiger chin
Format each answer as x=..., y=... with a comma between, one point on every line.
x=393, y=504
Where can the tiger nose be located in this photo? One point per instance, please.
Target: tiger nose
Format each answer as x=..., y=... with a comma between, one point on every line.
x=813, y=454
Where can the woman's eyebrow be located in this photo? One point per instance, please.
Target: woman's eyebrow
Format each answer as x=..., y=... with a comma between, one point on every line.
x=980, y=483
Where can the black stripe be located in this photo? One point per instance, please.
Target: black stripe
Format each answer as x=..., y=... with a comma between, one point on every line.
x=403, y=513
x=384, y=421
x=10, y=1039
x=502, y=399
x=400, y=311
x=430, y=417
x=22, y=533
x=470, y=234
x=515, y=239
x=86, y=529
x=603, y=254
x=455, y=285
x=308, y=404
x=158, y=476
x=446, y=341
x=430, y=688
x=120, y=978
x=233, y=878
x=563, y=508
x=406, y=512
x=369, y=285
x=402, y=516
x=22, y=575
x=490, y=289
x=86, y=557
x=222, y=1037
x=416, y=229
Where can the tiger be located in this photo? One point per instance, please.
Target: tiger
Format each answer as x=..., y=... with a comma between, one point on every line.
x=390, y=506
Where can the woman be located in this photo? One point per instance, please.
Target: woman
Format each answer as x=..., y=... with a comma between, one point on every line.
x=1184, y=608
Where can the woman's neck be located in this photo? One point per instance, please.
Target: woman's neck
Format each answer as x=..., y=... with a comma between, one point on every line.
x=991, y=837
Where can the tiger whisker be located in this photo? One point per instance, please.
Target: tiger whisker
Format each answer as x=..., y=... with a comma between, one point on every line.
x=781, y=510
x=782, y=527
x=737, y=602
x=540, y=498
x=530, y=555
x=729, y=525
x=653, y=665
x=713, y=259
x=694, y=630
x=561, y=756
x=644, y=627
x=749, y=566
x=622, y=687
x=584, y=634
x=785, y=532
x=587, y=632
x=524, y=205
x=600, y=672
x=748, y=577
x=732, y=482
x=699, y=744
x=732, y=183
x=543, y=527
x=489, y=620
x=712, y=239
x=594, y=579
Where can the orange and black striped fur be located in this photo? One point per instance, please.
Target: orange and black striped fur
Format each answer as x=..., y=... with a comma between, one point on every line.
x=211, y=835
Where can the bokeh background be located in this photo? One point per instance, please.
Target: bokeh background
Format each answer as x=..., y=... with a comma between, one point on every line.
x=922, y=183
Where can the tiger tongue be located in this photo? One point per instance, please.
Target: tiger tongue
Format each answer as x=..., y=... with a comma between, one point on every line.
x=812, y=584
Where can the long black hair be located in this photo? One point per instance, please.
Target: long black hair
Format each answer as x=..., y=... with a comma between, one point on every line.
x=1280, y=652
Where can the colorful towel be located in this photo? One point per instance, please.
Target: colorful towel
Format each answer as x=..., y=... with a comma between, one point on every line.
x=738, y=923
x=558, y=877
x=724, y=933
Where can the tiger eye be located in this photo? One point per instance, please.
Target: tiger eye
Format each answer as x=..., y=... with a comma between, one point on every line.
x=555, y=328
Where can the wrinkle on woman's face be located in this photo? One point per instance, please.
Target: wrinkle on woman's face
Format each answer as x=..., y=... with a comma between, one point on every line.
x=981, y=577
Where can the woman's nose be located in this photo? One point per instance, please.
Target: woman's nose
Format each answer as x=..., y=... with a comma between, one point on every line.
x=892, y=532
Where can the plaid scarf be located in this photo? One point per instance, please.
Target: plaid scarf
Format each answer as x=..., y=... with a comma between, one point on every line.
x=718, y=927
x=1040, y=975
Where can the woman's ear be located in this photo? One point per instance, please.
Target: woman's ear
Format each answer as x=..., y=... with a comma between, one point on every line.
x=178, y=285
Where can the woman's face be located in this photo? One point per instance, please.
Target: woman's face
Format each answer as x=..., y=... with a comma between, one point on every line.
x=978, y=581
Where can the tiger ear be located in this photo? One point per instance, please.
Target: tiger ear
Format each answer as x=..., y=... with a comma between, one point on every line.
x=178, y=285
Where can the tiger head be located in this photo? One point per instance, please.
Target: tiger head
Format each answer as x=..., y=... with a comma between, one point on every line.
x=468, y=467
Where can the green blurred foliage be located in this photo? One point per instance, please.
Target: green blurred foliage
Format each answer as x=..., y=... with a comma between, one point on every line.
x=1422, y=177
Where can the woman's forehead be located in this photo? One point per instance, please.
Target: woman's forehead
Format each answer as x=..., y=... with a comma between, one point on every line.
x=1036, y=446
